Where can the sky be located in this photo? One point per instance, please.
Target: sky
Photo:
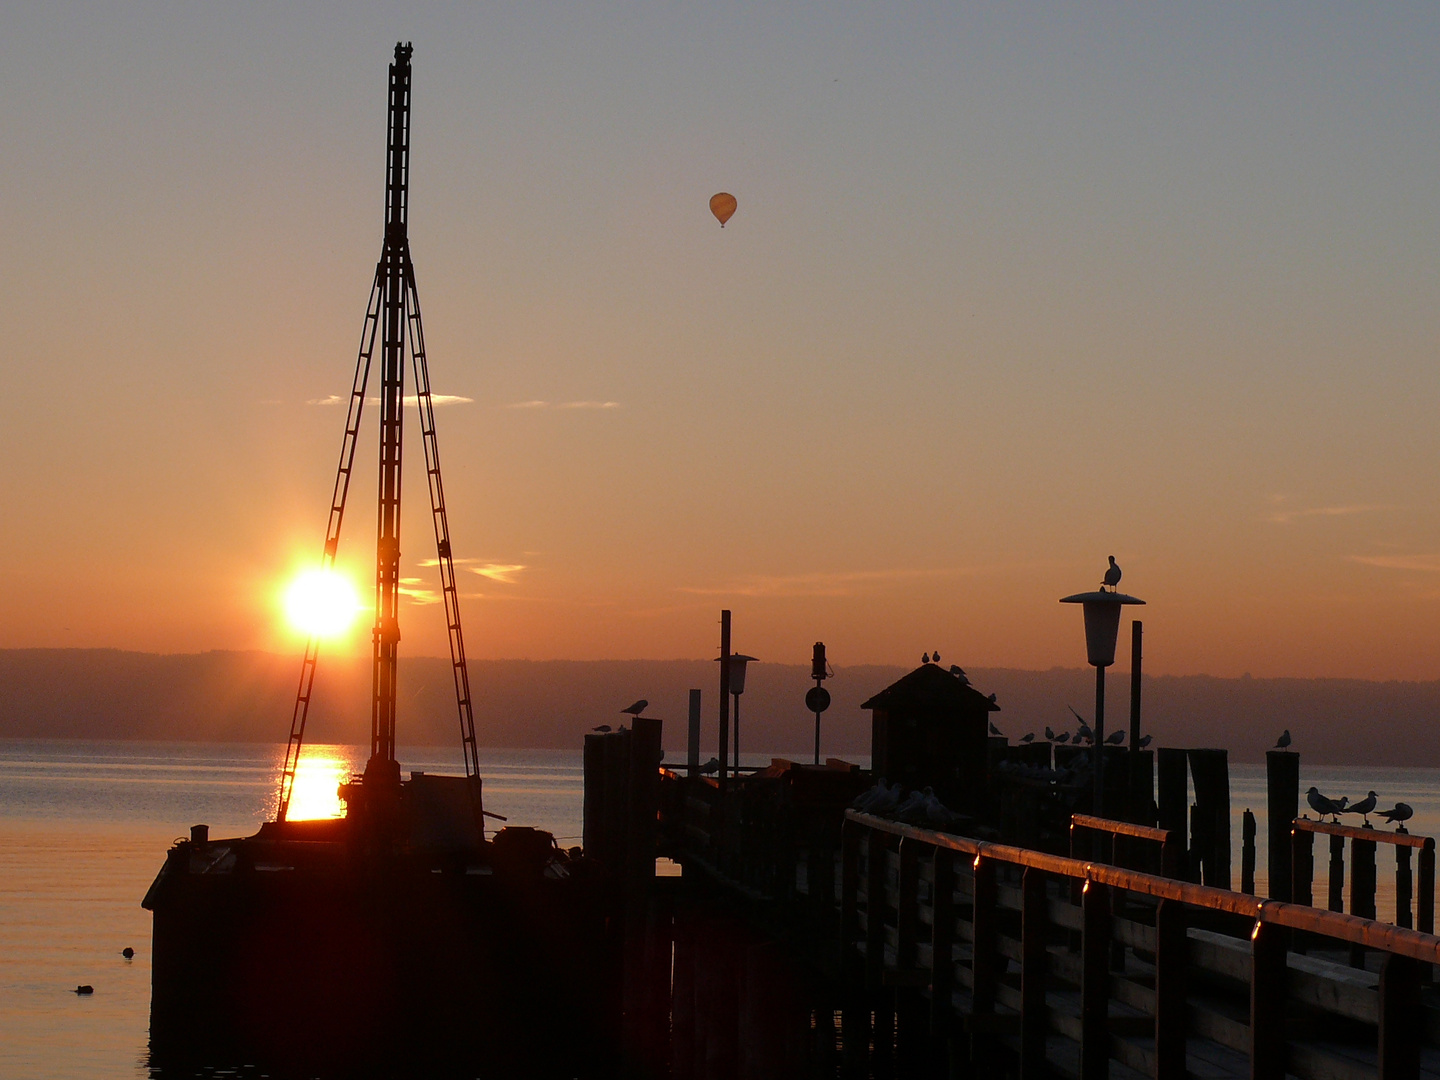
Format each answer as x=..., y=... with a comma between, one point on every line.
x=1010, y=288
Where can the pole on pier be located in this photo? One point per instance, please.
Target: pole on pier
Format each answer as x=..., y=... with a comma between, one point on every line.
x=1139, y=800
x=692, y=746
x=724, y=697
x=1097, y=749
x=1282, y=806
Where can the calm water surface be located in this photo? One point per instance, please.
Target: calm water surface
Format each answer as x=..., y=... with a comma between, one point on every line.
x=84, y=827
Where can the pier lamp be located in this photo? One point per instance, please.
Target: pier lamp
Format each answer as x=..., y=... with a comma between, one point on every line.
x=737, y=687
x=1102, y=628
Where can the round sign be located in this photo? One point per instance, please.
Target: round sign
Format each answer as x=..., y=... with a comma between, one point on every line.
x=817, y=699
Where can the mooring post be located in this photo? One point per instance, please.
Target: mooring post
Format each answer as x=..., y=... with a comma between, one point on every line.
x=692, y=744
x=594, y=805
x=646, y=753
x=1171, y=772
x=1210, y=771
x=1247, y=853
x=1282, y=806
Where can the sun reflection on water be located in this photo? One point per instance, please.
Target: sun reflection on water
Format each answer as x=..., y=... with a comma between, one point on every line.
x=318, y=777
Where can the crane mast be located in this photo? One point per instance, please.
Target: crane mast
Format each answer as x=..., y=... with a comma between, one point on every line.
x=393, y=315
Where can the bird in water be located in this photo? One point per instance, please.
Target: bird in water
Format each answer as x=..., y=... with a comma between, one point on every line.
x=1112, y=576
x=1144, y=742
x=1401, y=812
x=604, y=729
x=1116, y=738
x=1028, y=738
x=637, y=708
x=1365, y=807
x=1283, y=742
x=1321, y=805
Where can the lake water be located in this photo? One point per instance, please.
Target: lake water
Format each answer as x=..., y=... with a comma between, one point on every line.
x=84, y=827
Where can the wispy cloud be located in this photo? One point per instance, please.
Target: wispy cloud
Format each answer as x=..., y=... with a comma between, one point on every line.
x=1285, y=517
x=410, y=399
x=502, y=572
x=1429, y=564
x=839, y=583
x=411, y=587
x=528, y=405
x=563, y=405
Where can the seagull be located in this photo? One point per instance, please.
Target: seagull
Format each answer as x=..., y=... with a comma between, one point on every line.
x=1085, y=732
x=995, y=730
x=1049, y=734
x=1401, y=812
x=1321, y=805
x=990, y=698
x=1116, y=738
x=711, y=766
x=1028, y=737
x=1365, y=807
x=935, y=656
x=925, y=658
x=912, y=808
x=1283, y=742
x=603, y=729
x=959, y=673
x=1112, y=576
x=637, y=708
x=1144, y=741
x=1063, y=737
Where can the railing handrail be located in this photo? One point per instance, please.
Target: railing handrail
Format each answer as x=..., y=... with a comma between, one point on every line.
x=1359, y=832
x=1120, y=828
x=1334, y=924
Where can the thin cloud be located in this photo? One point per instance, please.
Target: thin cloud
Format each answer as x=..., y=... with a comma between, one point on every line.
x=1284, y=517
x=1428, y=564
x=501, y=572
x=410, y=399
x=528, y=405
x=563, y=405
x=411, y=587
x=843, y=583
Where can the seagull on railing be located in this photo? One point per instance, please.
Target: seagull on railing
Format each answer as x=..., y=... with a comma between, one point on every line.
x=1116, y=738
x=1321, y=805
x=1063, y=737
x=1028, y=737
x=1144, y=742
x=1364, y=807
x=1401, y=812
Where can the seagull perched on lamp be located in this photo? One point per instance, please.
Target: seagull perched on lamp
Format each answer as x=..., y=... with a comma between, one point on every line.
x=1112, y=576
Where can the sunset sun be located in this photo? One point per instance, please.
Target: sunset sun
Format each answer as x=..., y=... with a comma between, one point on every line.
x=321, y=603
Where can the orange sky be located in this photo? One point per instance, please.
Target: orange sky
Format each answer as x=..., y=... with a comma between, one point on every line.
x=1007, y=292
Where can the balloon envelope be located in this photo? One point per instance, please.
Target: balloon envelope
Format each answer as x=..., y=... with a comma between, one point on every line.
x=722, y=205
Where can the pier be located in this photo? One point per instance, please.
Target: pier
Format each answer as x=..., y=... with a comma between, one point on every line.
x=807, y=938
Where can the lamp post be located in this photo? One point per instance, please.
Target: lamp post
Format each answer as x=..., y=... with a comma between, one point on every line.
x=737, y=687
x=1102, y=627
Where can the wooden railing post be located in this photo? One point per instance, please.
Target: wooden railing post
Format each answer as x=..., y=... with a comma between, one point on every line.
x=1401, y=1026
x=908, y=910
x=1268, y=975
x=1172, y=956
x=1362, y=889
x=1425, y=913
x=942, y=941
x=985, y=930
x=1337, y=873
x=1404, y=888
x=1034, y=1021
x=1302, y=866
x=849, y=892
x=1095, y=982
x=875, y=910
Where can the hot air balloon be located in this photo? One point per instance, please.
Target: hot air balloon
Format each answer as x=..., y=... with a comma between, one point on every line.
x=722, y=205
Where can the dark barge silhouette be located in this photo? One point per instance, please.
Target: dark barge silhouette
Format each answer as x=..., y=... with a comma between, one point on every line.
x=399, y=936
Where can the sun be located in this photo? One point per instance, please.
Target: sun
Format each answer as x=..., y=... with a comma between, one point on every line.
x=321, y=603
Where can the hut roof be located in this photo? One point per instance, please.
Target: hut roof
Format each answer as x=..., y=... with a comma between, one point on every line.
x=930, y=686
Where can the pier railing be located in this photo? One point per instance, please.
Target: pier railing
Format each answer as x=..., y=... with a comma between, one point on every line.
x=1363, y=878
x=1072, y=985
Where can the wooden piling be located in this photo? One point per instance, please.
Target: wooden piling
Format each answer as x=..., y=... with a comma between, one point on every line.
x=1171, y=770
x=593, y=809
x=646, y=753
x=1210, y=771
x=692, y=738
x=1282, y=806
x=1247, y=853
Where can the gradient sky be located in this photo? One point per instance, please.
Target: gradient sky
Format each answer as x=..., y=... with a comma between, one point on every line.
x=1010, y=288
